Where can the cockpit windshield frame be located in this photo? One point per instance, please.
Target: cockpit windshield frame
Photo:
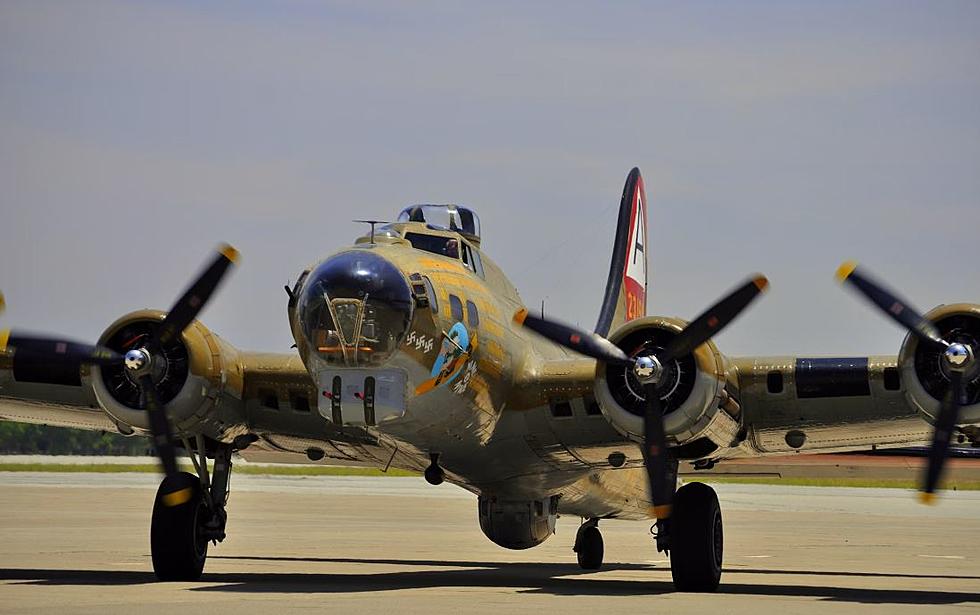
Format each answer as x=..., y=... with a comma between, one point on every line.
x=449, y=247
x=454, y=218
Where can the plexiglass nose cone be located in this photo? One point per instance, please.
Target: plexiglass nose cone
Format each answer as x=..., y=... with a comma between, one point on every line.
x=354, y=309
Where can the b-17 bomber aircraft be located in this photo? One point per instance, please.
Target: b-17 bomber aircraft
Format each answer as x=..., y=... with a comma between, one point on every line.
x=414, y=351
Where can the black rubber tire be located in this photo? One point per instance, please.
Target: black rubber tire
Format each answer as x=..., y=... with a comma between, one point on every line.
x=696, y=539
x=177, y=549
x=589, y=549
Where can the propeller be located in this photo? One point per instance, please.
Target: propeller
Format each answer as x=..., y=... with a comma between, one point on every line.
x=649, y=369
x=958, y=359
x=176, y=488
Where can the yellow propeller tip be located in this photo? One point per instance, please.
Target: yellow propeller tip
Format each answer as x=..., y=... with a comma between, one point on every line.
x=661, y=512
x=520, y=315
x=4, y=338
x=761, y=282
x=177, y=497
x=229, y=252
x=927, y=498
x=845, y=270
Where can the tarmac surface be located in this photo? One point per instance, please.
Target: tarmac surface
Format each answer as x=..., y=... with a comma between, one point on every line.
x=78, y=543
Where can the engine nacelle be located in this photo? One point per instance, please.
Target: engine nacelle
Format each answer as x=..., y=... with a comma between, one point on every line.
x=198, y=378
x=518, y=524
x=924, y=372
x=699, y=414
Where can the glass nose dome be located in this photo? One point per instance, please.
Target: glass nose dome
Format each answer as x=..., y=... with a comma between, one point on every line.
x=354, y=309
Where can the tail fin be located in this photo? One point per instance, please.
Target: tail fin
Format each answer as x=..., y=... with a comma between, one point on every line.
x=626, y=287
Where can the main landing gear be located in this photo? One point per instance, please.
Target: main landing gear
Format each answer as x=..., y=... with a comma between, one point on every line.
x=693, y=538
x=180, y=533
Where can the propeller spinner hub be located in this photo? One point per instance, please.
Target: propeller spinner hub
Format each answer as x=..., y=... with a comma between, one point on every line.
x=137, y=360
x=958, y=355
x=648, y=369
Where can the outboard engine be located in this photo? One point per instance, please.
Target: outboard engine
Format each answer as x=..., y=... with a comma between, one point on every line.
x=926, y=374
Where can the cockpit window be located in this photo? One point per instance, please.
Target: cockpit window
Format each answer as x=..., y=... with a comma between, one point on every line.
x=443, y=246
x=471, y=257
x=447, y=217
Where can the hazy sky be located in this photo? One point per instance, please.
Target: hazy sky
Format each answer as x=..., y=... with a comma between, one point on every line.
x=776, y=137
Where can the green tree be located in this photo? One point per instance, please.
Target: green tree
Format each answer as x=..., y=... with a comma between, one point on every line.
x=25, y=439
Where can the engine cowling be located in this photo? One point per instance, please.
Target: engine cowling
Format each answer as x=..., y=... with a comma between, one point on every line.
x=925, y=374
x=699, y=414
x=198, y=377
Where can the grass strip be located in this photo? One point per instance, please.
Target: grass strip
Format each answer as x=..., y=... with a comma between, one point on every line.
x=874, y=483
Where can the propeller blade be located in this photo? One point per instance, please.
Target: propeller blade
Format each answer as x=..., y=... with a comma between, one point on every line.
x=949, y=411
x=891, y=304
x=57, y=349
x=655, y=454
x=714, y=319
x=190, y=304
x=583, y=342
x=3, y=303
x=163, y=441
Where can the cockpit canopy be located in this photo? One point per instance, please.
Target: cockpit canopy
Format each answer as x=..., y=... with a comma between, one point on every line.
x=445, y=217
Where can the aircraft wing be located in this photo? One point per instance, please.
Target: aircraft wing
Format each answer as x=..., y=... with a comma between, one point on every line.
x=269, y=396
x=60, y=402
x=741, y=407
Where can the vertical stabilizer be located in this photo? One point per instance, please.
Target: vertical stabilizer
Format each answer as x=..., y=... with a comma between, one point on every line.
x=626, y=287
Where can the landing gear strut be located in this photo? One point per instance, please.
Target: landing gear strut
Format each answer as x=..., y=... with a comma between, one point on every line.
x=180, y=533
x=588, y=545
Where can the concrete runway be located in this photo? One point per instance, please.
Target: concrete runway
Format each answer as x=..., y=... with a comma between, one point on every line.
x=78, y=543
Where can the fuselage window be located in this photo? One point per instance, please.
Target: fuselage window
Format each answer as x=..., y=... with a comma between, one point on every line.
x=299, y=402
x=456, y=308
x=268, y=399
x=472, y=315
x=774, y=382
x=433, y=302
x=561, y=409
x=443, y=246
x=892, y=380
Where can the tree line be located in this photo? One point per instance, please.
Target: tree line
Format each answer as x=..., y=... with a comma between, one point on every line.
x=26, y=439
